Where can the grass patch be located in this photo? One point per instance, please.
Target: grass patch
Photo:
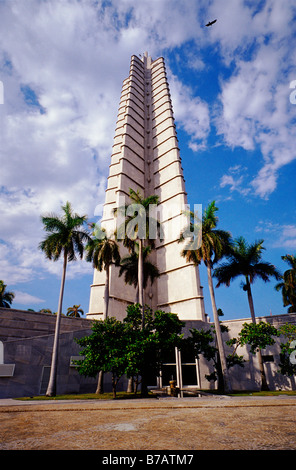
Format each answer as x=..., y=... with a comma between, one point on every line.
x=273, y=393
x=128, y=396
x=88, y=396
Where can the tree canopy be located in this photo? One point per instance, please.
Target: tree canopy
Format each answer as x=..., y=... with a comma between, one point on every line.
x=127, y=347
x=66, y=237
x=288, y=284
x=6, y=297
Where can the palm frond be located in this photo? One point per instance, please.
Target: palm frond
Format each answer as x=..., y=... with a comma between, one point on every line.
x=288, y=283
x=65, y=234
x=138, y=222
x=210, y=244
x=227, y=272
x=244, y=259
x=102, y=251
x=6, y=297
x=291, y=260
x=129, y=267
x=264, y=270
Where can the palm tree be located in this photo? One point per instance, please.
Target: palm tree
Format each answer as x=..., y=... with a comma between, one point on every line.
x=65, y=237
x=288, y=284
x=74, y=311
x=46, y=310
x=6, y=297
x=129, y=267
x=246, y=260
x=138, y=223
x=103, y=251
x=214, y=244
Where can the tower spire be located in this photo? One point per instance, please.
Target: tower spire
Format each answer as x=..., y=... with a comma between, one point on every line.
x=146, y=157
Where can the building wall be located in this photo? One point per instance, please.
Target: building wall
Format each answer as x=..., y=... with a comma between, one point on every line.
x=27, y=339
x=248, y=378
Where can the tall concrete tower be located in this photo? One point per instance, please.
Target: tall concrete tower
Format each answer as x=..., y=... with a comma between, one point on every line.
x=146, y=157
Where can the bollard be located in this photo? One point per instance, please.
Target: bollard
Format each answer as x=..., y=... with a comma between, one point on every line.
x=173, y=390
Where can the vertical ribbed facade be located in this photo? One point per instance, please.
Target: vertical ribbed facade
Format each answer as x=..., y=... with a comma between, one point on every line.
x=146, y=157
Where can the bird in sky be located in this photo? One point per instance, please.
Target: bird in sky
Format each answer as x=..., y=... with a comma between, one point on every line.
x=211, y=22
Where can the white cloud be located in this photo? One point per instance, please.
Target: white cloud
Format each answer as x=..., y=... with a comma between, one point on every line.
x=255, y=110
x=281, y=235
x=254, y=117
x=245, y=25
x=164, y=23
x=235, y=179
x=191, y=113
x=229, y=180
x=62, y=153
x=26, y=299
x=73, y=55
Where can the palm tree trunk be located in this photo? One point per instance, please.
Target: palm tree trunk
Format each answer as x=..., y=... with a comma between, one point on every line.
x=106, y=293
x=250, y=300
x=141, y=302
x=227, y=385
x=130, y=384
x=140, y=279
x=100, y=384
x=51, y=388
x=264, y=386
x=114, y=383
x=137, y=294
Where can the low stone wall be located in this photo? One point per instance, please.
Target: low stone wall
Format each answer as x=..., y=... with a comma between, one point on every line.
x=248, y=377
x=26, y=342
x=27, y=339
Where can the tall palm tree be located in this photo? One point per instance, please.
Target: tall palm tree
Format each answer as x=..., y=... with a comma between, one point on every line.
x=138, y=223
x=288, y=284
x=65, y=237
x=6, y=297
x=214, y=244
x=74, y=311
x=103, y=251
x=129, y=268
x=245, y=260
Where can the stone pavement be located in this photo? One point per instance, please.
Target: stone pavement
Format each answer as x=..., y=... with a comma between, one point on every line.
x=207, y=423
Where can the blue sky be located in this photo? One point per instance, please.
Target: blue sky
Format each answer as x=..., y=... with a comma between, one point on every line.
x=62, y=64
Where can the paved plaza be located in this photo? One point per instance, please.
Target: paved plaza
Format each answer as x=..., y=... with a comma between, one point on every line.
x=208, y=423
